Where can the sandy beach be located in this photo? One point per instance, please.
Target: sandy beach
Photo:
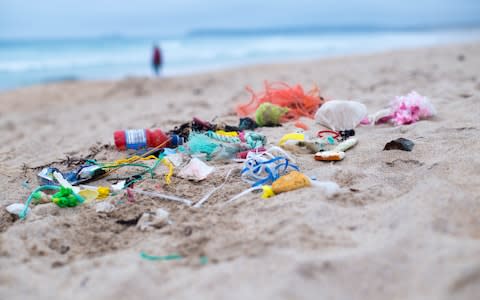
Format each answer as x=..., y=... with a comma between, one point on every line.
x=406, y=225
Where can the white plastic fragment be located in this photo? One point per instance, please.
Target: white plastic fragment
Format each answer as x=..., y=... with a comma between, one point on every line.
x=274, y=151
x=16, y=208
x=104, y=207
x=157, y=219
x=176, y=159
x=196, y=170
x=373, y=118
x=345, y=145
x=207, y=196
x=245, y=192
x=163, y=196
x=341, y=114
x=329, y=188
x=117, y=187
x=63, y=182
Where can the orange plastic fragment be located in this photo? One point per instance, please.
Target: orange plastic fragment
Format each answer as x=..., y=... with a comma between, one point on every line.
x=301, y=125
x=289, y=182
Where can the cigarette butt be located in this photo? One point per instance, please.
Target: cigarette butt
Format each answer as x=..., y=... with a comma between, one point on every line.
x=329, y=155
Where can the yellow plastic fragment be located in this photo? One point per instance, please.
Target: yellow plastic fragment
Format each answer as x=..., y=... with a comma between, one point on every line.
x=103, y=192
x=291, y=136
x=88, y=195
x=267, y=192
x=168, y=176
x=130, y=160
x=227, y=133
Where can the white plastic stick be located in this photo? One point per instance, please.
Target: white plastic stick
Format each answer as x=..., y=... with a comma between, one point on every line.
x=63, y=182
x=207, y=196
x=163, y=196
x=245, y=192
x=345, y=145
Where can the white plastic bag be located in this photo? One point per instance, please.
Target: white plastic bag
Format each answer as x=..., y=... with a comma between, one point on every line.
x=341, y=114
x=196, y=170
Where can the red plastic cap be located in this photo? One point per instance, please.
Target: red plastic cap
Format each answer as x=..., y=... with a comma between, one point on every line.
x=120, y=139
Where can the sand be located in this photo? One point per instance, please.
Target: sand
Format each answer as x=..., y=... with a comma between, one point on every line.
x=406, y=225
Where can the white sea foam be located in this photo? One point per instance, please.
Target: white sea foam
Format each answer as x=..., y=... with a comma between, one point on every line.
x=23, y=63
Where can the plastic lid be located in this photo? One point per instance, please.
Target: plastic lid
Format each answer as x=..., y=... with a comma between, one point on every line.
x=120, y=139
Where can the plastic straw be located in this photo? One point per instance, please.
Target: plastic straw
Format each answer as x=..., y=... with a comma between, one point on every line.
x=163, y=196
x=207, y=196
x=245, y=192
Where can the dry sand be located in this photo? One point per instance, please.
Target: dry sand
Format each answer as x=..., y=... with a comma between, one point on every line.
x=405, y=226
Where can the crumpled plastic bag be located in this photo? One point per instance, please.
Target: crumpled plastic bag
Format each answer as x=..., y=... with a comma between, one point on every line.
x=341, y=114
x=196, y=170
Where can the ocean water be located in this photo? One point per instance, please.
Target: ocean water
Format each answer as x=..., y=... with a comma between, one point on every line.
x=29, y=62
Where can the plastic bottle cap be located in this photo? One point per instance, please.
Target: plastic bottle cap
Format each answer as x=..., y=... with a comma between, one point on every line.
x=120, y=139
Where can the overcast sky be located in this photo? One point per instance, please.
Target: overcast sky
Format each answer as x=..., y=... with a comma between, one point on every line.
x=67, y=18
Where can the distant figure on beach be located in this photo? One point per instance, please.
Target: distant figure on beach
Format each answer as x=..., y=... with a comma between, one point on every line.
x=156, y=60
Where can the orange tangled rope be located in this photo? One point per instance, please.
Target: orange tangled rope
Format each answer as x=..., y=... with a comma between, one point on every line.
x=299, y=103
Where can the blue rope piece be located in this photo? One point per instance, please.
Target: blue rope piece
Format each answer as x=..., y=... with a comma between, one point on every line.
x=272, y=172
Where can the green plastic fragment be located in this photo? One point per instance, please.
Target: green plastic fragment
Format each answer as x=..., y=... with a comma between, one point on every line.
x=173, y=256
x=203, y=260
x=201, y=143
x=331, y=140
x=66, y=198
x=37, y=195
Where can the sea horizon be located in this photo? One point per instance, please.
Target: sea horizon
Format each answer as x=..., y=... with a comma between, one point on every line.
x=30, y=61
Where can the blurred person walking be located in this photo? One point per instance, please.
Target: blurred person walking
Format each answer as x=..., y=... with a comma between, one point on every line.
x=156, y=59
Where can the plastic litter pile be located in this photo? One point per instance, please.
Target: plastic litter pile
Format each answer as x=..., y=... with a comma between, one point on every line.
x=192, y=150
